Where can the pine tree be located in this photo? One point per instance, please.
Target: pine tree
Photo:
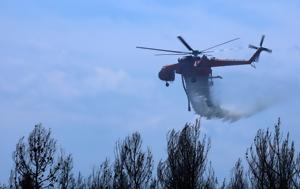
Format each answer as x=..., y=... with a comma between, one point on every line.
x=273, y=162
x=133, y=167
x=185, y=165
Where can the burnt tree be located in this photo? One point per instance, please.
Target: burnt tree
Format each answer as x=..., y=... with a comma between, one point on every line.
x=101, y=178
x=133, y=167
x=273, y=162
x=238, y=178
x=80, y=182
x=66, y=178
x=34, y=161
x=187, y=160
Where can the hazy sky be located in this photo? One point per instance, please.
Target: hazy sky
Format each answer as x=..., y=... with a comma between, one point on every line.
x=73, y=66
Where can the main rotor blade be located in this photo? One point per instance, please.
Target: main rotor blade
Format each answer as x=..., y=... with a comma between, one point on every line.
x=172, y=54
x=253, y=47
x=164, y=50
x=185, y=43
x=219, y=44
x=207, y=52
x=266, y=49
x=226, y=49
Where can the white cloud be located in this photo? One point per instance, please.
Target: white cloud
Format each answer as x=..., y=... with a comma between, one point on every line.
x=105, y=79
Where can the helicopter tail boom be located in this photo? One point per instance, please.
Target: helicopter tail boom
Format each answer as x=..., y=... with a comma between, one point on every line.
x=253, y=58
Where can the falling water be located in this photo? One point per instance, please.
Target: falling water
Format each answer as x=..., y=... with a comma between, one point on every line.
x=198, y=90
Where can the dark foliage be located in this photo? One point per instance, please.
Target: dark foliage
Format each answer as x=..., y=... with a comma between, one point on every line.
x=27, y=181
x=2, y=186
x=66, y=178
x=133, y=167
x=80, y=182
x=238, y=179
x=101, y=178
x=273, y=162
x=186, y=162
x=120, y=179
x=35, y=163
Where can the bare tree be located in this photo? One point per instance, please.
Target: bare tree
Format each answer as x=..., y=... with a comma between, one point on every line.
x=66, y=178
x=209, y=181
x=34, y=161
x=238, y=178
x=272, y=160
x=80, y=182
x=133, y=167
x=102, y=178
x=186, y=162
x=12, y=181
x=120, y=180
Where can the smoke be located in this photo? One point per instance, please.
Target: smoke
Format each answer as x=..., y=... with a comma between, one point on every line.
x=198, y=90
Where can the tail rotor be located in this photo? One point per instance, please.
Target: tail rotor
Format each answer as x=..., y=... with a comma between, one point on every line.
x=260, y=48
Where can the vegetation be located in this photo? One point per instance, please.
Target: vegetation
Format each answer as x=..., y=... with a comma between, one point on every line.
x=271, y=162
x=187, y=160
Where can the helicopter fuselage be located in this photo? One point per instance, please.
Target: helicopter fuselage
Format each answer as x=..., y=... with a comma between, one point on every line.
x=187, y=66
x=193, y=67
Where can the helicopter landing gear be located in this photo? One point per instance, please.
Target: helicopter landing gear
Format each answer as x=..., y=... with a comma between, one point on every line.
x=167, y=84
x=187, y=95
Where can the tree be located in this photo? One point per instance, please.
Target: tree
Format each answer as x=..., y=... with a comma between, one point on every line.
x=27, y=181
x=2, y=186
x=120, y=180
x=238, y=179
x=34, y=161
x=66, y=177
x=133, y=167
x=153, y=184
x=186, y=162
x=272, y=160
x=101, y=178
x=210, y=181
x=80, y=182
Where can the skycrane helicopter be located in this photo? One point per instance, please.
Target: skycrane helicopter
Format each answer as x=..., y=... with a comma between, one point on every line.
x=195, y=63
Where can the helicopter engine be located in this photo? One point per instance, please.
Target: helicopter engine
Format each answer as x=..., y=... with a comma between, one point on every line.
x=166, y=74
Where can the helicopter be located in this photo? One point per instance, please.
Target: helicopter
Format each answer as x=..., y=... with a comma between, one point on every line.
x=196, y=63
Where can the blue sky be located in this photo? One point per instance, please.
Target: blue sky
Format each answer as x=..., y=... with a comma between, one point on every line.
x=73, y=66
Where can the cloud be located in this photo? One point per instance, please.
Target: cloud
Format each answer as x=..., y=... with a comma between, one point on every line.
x=70, y=65
x=59, y=83
x=108, y=80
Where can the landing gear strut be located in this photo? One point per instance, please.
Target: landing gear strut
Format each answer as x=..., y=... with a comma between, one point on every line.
x=187, y=95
